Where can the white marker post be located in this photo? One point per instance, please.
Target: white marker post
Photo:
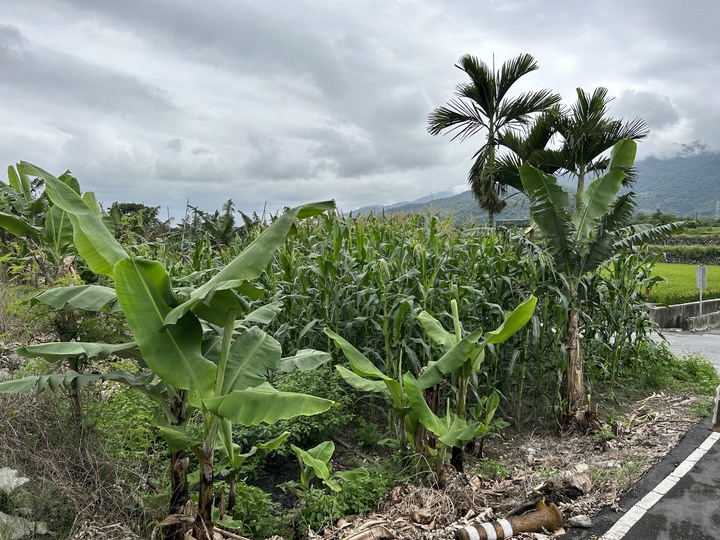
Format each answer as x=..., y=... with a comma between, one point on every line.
x=701, y=280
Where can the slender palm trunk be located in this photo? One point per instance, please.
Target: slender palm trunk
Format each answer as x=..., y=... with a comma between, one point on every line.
x=575, y=383
x=580, y=193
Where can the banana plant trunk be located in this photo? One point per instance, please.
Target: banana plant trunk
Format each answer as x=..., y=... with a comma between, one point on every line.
x=575, y=382
x=203, y=519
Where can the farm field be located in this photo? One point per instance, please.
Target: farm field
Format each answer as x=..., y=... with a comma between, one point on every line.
x=681, y=286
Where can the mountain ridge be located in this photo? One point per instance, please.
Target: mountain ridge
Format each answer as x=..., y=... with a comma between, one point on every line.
x=686, y=186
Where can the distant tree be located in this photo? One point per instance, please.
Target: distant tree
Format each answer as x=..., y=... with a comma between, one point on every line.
x=483, y=105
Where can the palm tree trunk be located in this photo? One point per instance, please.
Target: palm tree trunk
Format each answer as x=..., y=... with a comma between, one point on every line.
x=575, y=383
x=580, y=193
x=491, y=219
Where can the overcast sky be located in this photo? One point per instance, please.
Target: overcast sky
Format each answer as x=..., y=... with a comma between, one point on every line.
x=285, y=102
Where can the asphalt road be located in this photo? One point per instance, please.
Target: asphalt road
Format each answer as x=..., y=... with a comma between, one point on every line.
x=706, y=343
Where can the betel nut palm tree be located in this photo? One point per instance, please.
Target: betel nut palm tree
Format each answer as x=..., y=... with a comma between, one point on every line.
x=483, y=105
x=587, y=133
x=581, y=241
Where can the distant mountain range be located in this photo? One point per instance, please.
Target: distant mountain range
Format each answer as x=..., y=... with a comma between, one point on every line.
x=684, y=186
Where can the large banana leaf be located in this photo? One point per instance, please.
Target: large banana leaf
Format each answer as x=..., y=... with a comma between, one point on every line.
x=601, y=192
x=58, y=231
x=173, y=353
x=357, y=360
x=93, y=240
x=19, y=227
x=449, y=362
x=303, y=360
x=20, y=182
x=451, y=431
x=436, y=332
x=513, y=322
x=251, y=357
x=549, y=210
x=361, y=383
x=601, y=246
x=52, y=382
x=86, y=297
x=263, y=403
x=249, y=265
x=55, y=352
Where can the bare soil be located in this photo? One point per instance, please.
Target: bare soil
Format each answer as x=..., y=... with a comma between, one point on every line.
x=579, y=472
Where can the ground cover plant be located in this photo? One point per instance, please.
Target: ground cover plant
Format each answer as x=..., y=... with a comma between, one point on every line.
x=680, y=284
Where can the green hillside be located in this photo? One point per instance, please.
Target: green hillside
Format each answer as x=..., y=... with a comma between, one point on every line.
x=683, y=186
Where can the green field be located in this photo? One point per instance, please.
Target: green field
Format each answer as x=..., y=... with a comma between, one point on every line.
x=680, y=286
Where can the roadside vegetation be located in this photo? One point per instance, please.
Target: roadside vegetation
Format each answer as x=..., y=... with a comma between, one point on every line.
x=272, y=376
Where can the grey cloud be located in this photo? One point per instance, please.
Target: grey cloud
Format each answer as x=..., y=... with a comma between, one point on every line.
x=43, y=75
x=656, y=109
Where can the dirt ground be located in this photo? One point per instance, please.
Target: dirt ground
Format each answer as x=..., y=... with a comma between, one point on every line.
x=580, y=473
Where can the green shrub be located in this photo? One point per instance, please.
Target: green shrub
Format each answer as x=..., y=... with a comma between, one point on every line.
x=260, y=516
x=319, y=508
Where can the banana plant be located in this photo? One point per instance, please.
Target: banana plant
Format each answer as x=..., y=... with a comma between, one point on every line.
x=581, y=241
x=225, y=381
x=453, y=431
x=365, y=376
x=464, y=354
x=315, y=462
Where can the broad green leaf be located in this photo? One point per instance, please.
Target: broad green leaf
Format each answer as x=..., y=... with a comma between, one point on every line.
x=513, y=322
x=54, y=352
x=93, y=241
x=59, y=230
x=20, y=182
x=353, y=475
x=357, y=360
x=436, y=332
x=420, y=407
x=450, y=362
x=252, y=262
x=601, y=192
x=176, y=437
x=19, y=227
x=173, y=353
x=459, y=432
x=358, y=382
x=274, y=444
x=553, y=219
x=252, y=356
x=303, y=360
x=264, y=314
x=18, y=386
x=252, y=406
x=318, y=467
x=86, y=297
x=322, y=451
